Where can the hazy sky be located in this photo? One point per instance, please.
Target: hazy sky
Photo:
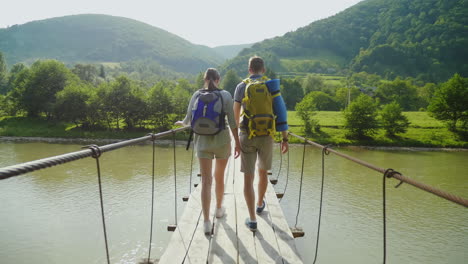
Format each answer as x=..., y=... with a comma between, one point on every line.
x=206, y=22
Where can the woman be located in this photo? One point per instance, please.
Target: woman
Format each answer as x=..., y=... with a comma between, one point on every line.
x=213, y=146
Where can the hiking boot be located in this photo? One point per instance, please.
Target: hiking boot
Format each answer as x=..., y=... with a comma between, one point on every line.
x=261, y=208
x=207, y=227
x=252, y=225
x=220, y=212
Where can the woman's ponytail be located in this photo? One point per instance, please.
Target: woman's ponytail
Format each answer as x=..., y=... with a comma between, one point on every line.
x=211, y=85
x=211, y=75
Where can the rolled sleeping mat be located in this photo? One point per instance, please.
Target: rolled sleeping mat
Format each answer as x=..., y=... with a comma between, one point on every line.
x=279, y=107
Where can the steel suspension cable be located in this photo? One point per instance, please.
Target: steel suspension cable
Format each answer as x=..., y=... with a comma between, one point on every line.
x=96, y=153
x=152, y=200
x=23, y=168
x=300, y=185
x=398, y=176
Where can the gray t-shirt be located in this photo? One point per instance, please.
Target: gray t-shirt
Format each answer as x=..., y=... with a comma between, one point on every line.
x=209, y=142
x=240, y=89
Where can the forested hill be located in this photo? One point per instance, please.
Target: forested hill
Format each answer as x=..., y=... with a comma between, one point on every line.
x=230, y=51
x=425, y=38
x=102, y=38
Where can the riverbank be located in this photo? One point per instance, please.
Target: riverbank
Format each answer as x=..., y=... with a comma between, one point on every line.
x=105, y=141
x=424, y=132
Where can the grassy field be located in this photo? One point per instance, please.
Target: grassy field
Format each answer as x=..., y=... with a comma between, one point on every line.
x=424, y=131
x=27, y=127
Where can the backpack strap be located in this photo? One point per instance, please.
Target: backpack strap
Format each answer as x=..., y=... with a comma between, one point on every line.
x=222, y=114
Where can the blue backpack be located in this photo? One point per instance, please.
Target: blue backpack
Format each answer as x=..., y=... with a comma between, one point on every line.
x=208, y=116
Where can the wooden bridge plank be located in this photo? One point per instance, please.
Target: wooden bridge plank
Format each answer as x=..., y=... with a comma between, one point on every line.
x=232, y=241
x=230, y=176
x=180, y=240
x=285, y=240
x=265, y=237
x=245, y=238
x=223, y=247
x=200, y=245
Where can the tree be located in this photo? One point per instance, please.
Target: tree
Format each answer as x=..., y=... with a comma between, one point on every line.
x=121, y=102
x=361, y=117
x=425, y=93
x=230, y=81
x=305, y=109
x=291, y=91
x=181, y=92
x=45, y=79
x=71, y=103
x=322, y=101
x=18, y=87
x=400, y=91
x=343, y=95
x=102, y=72
x=364, y=79
x=3, y=74
x=86, y=72
x=160, y=106
x=312, y=82
x=199, y=81
x=393, y=121
x=450, y=101
x=3, y=106
x=14, y=72
x=270, y=73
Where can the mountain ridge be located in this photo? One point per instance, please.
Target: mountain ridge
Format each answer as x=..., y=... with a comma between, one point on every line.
x=102, y=38
x=409, y=38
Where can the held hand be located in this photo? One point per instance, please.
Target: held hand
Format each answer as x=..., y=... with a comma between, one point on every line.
x=179, y=123
x=284, y=147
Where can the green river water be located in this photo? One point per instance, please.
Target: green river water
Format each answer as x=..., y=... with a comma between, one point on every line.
x=53, y=215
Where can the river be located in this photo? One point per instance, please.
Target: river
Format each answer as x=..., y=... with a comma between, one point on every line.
x=53, y=215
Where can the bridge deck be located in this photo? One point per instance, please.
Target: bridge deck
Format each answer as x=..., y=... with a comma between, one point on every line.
x=232, y=242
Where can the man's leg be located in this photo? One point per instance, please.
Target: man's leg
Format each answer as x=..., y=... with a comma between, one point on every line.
x=262, y=186
x=248, y=160
x=265, y=149
x=249, y=194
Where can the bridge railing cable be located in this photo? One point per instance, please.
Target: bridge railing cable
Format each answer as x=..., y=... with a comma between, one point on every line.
x=22, y=168
x=397, y=175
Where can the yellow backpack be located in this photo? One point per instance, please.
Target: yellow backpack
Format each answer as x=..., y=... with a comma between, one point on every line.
x=258, y=107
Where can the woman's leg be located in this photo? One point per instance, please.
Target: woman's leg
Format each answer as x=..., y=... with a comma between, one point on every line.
x=220, y=167
x=205, y=170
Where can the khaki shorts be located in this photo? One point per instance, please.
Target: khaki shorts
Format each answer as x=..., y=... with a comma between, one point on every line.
x=251, y=148
x=223, y=152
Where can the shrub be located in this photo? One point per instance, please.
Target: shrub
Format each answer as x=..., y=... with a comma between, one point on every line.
x=393, y=121
x=361, y=117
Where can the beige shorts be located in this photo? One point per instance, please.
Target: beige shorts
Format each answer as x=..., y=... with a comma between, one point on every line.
x=260, y=147
x=223, y=152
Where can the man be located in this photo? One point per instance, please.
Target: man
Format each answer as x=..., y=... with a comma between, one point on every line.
x=255, y=146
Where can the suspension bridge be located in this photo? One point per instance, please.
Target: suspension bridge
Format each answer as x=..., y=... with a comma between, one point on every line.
x=231, y=241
